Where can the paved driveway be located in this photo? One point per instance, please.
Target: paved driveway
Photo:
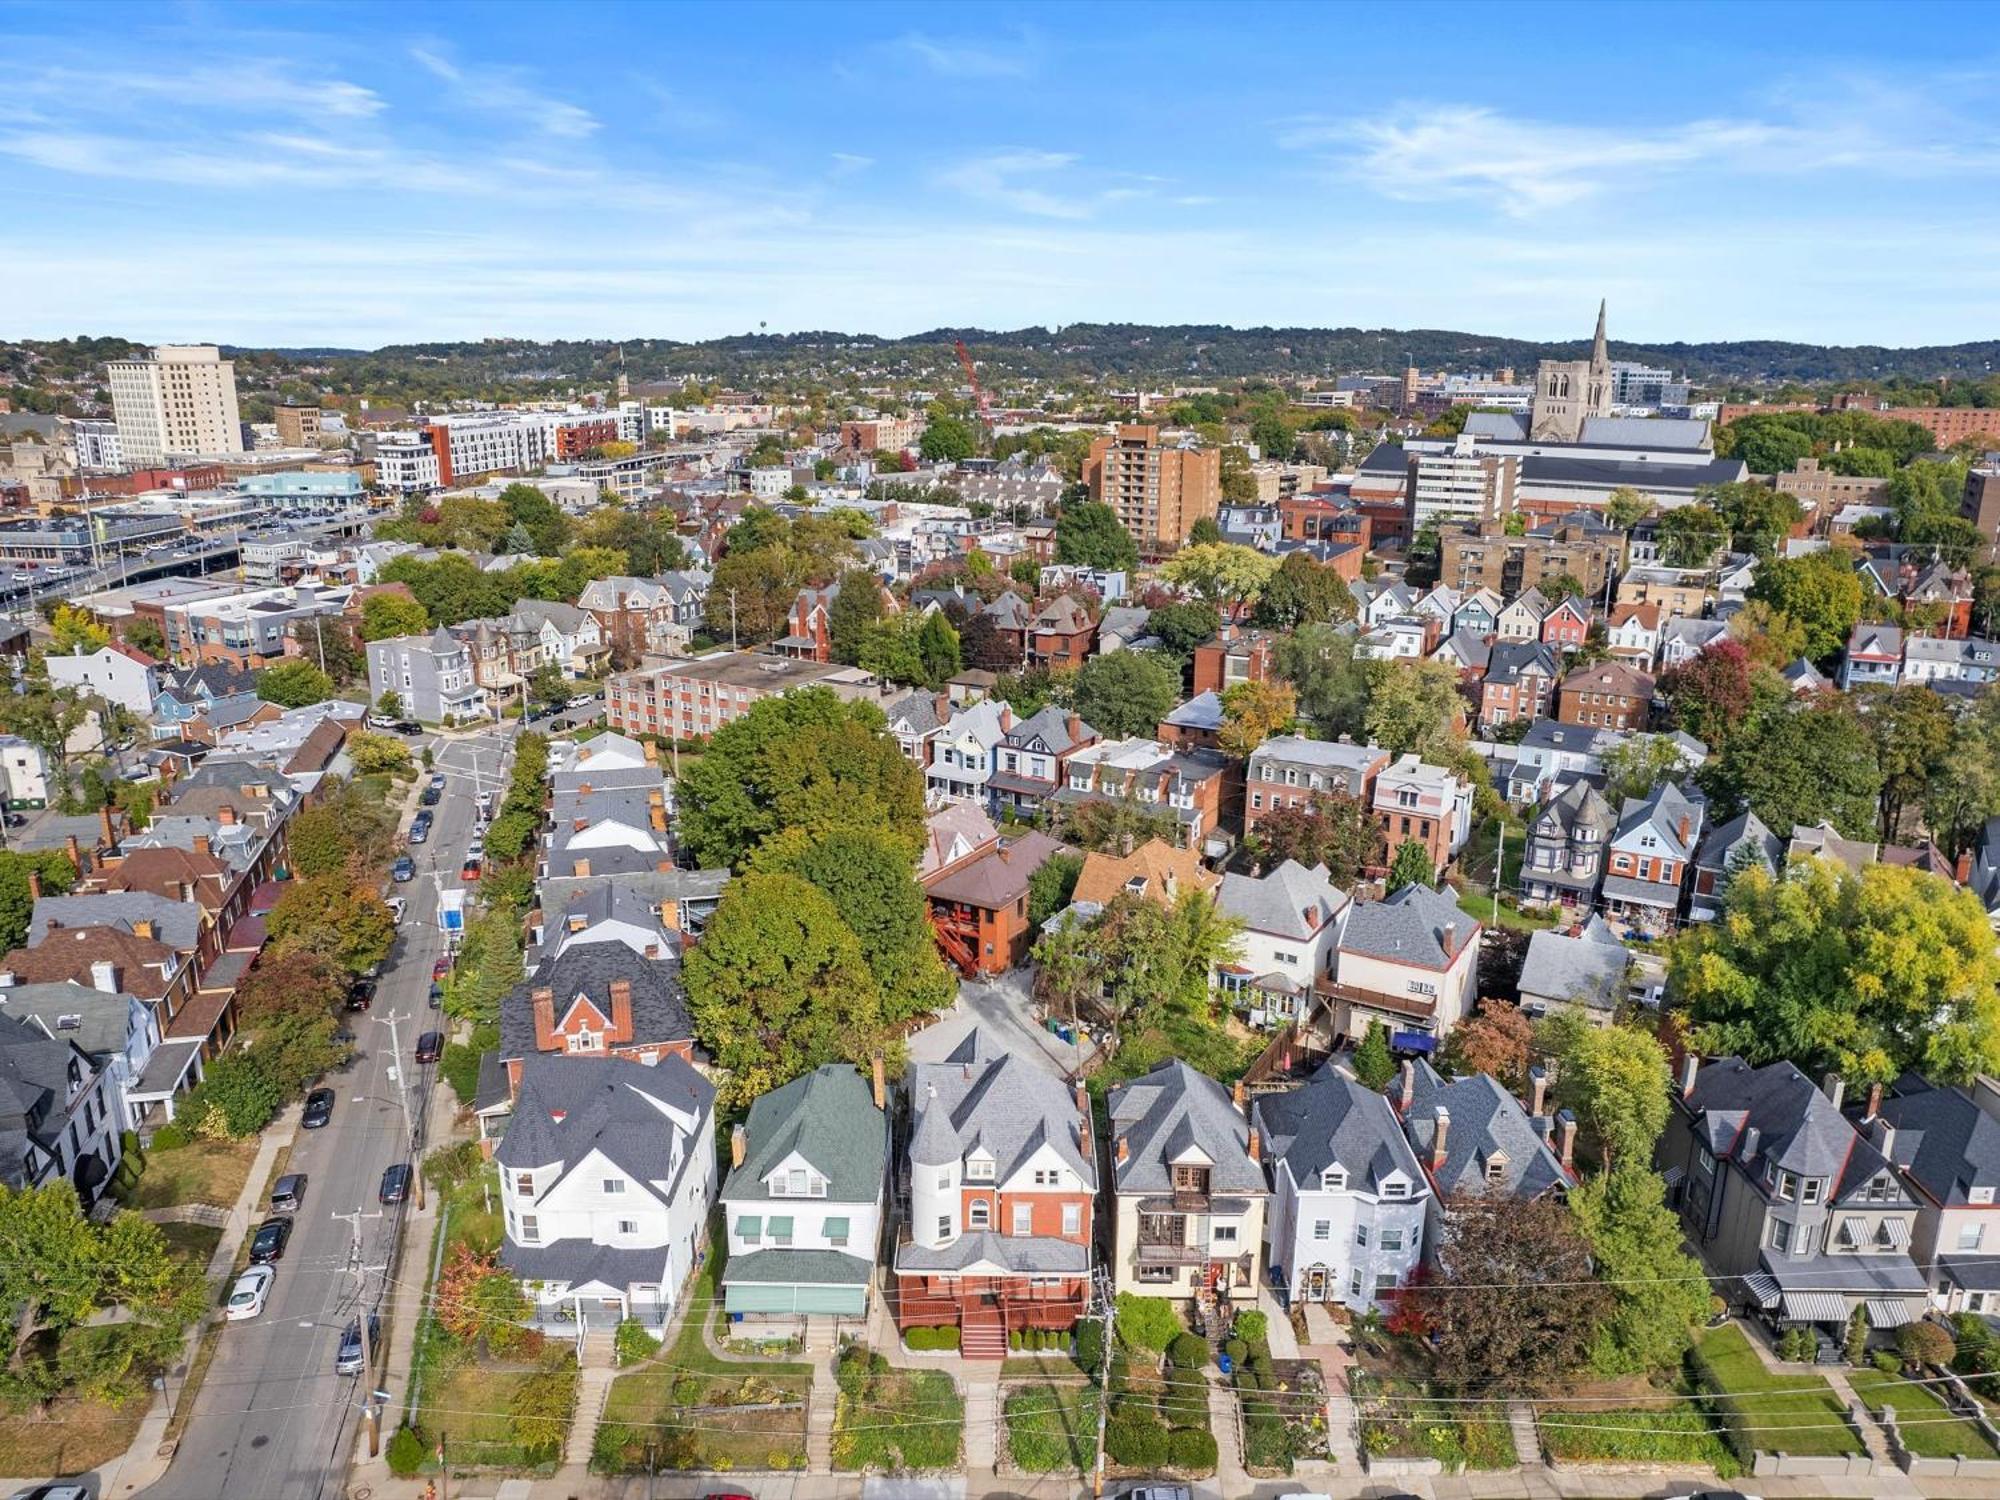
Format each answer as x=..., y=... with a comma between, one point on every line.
x=1003, y=1007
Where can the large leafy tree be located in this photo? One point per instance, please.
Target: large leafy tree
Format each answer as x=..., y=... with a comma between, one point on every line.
x=1498, y=1040
x=948, y=438
x=385, y=615
x=336, y=918
x=1690, y=535
x=801, y=760
x=1758, y=516
x=778, y=984
x=1414, y=706
x=1515, y=1306
x=1332, y=684
x=1615, y=1080
x=1867, y=974
x=1254, y=711
x=1800, y=763
x=294, y=684
x=1659, y=1295
x=1220, y=572
x=1820, y=591
x=1125, y=693
x=1710, y=693
x=1088, y=536
x=1333, y=829
x=1184, y=626
x=1964, y=786
x=1913, y=731
x=1411, y=865
x=1303, y=592
x=17, y=902
x=856, y=606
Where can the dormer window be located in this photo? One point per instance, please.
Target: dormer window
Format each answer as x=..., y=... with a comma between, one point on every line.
x=1496, y=1169
x=1395, y=1190
x=979, y=1169
x=1333, y=1179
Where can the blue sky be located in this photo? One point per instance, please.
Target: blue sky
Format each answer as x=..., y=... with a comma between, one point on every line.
x=360, y=174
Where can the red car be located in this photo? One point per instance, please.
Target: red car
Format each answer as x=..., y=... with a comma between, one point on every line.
x=471, y=870
x=441, y=968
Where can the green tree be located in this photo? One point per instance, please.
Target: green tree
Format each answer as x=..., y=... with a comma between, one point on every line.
x=948, y=440
x=1637, y=765
x=1303, y=592
x=1333, y=829
x=319, y=842
x=294, y=684
x=1204, y=532
x=390, y=704
x=17, y=902
x=937, y=648
x=1125, y=693
x=1411, y=866
x=1374, y=1065
x=1220, y=572
x=779, y=985
x=536, y=514
x=891, y=649
x=1088, y=536
x=1254, y=711
x=1758, y=516
x=1964, y=787
x=384, y=616
x=1626, y=507
x=1690, y=535
x=856, y=606
x=378, y=754
x=1913, y=731
x=1866, y=974
x=142, y=634
x=332, y=916
x=1803, y=763
x=1182, y=627
x=1820, y=591
x=1414, y=706
x=1274, y=437
x=1615, y=1079
x=802, y=760
x=1051, y=886
x=1659, y=1295
x=1332, y=684
x=327, y=641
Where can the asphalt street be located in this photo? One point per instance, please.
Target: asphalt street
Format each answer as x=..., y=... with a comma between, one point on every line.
x=272, y=1421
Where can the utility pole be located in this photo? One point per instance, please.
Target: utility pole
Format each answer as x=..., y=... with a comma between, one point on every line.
x=1499, y=864
x=1103, y=1379
x=370, y=1414
x=392, y=1021
x=732, y=619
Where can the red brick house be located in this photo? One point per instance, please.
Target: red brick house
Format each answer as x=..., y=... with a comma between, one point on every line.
x=1236, y=655
x=1061, y=635
x=979, y=903
x=597, y=1000
x=1609, y=695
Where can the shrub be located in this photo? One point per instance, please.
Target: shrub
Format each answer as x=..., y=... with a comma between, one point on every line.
x=1252, y=1326
x=172, y=1137
x=854, y=1370
x=1090, y=1344
x=450, y=1165
x=631, y=1343
x=1136, y=1441
x=1797, y=1345
x=1191, y=1450
x=947, y=1338
x=1237, y=1351
x=918, y=1340
x=1887, y=1363
x=407, y=1452
x=1188, y=1350
x=1014, y=1339
x=1146, y=1322
x=1925, y=1343
x=1856, y=1344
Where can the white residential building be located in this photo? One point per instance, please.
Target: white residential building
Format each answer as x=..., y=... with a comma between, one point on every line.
x=1291, y=930
x=962, y=752
x=116, y=673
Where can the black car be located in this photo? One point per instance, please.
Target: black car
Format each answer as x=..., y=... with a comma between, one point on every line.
x=319, y=1109
x=349, y=1360
x=430, y=1046
x=268, y=1244
x=395, y=1183
x=361, y=995
x=437, y=994
x=430, y=797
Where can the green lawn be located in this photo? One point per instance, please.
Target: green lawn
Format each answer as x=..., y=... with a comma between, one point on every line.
x=472, y=1406
x=194, y=1243
x=889, y=1420
x=1765, y=1411
x=647, y=1407
x=200, y=1172
x=1678, y=1434
x=1052, y=1429
x=1929, y=1428
x=1482, y=905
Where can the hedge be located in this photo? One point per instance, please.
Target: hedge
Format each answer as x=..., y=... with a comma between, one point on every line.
x=1191, y=1449
x=1188, y=1350
x=1136, y=1441
x=940, y=1339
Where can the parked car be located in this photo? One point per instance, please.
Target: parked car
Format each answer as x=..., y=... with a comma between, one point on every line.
x=403, y=870
x=395, y=1183
x=420, y=829
x=251, y=1292
x=288, y=1192
x=441, y=968
x=1158, y=1492
x=437, y=781
x=17, y=820
x=348, y=1361
x=397, y=906
x=437, y=994
x=361, y=994
x=469, y=870
x=429, y=797
x=60, y=1489
x=477, y=846
x=319, y=1110
x=430, y=1046
x=268, y=1243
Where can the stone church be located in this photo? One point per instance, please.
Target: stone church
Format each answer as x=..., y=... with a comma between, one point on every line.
x=1568, y=390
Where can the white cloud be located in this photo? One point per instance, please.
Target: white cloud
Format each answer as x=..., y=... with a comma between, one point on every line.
x=846, y=163
x=505, y=91
x=245, y=85
x=1007, y=179
x=961, y=58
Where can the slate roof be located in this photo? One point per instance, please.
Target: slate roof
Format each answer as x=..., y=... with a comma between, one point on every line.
x=1333, y=755
x=1652, y=478
x=913, y=713
x=1588, y=969
x=1203, y=711
x=102, y=1021
x=1871, y=639
x=1289, y=901
x=1334, y=1120
x=34, y=1082
x=1008, y=612
x=1409, y=927
x=981, y=1095
x=829, y=1118
x=577, y=1263
x=1943, y=1140
x=947, y=828
x=1162, y=870
x=1745, y=830
x=1667, y=810
x=998, y=878
x=1485, y=1122
x=1052, y=727
x=609, y=1105
x=1798, y=1129
x=1039, y=1254
x=1469, y=650
x=1172, y=1111
x=659, y=1003
x=175, y=923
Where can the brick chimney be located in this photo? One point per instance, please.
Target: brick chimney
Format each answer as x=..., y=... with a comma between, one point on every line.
x=143, y=927
x=1124, y=1151
x=106, y=833
x=577, y=825
x=75, y=852
x=658, y=814
x=1256, y=1145
x=583, y=790
x=1450, y=938
x=1237, y=1094
x=621, y=1012
x=581, y=868
x=34, y=884
x=227, y=817
x=1075, y=726
x=878, y=1074
x=648, y=749
x=941, y=706
x=543, y=1002
x=1566, y=1134
x=1538, y=1090
x=1438, y=1138
x=201, y=844
x=1874, y=1101
x=739, y=1146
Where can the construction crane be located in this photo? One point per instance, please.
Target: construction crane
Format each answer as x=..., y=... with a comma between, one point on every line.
x=979, y=397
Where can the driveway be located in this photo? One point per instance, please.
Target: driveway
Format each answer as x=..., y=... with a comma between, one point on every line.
x=1002, y=1005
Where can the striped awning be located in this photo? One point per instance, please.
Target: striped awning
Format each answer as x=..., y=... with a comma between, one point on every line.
x=1886, y=1314
x=1764, y=1288
x=1897, y=1233
x=1853, y=1232
x=1815, y=1307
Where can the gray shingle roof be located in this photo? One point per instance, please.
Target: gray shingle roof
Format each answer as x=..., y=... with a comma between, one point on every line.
x=1290, y=901
x=984, y=1096
x=1409, y=927
x=827, y=1117
x=1170, y=1112
x=102, y=1021
x=1589, y=969
x=608, y=1105
x=799, y=1267
x=1798, y=1129
x=1486, y=1123
x=1334, y=1120
x=1745, y=830
x=659, y=1003
x=577, y=1263
x=1030, y=1254
x=175, y=923
x=1943, y=1140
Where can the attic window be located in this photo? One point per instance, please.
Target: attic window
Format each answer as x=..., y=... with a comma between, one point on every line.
x=978, y=1169
x=1496, y=1169
x=1396, y=1189
x=1333, y=1179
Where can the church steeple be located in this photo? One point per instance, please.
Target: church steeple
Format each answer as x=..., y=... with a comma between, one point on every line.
x=1600, y=353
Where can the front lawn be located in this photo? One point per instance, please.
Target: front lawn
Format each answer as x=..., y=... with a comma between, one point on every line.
x=693, y=1410
x=1928, y=1427
x=193, y=1243
x=888, y=1420
x=1052, y=1429
x=1401, y=1419
x=482, y=1406
x=1766, y=1412
x=1677, y=1434
x=70, y=1436
x=202, y=1171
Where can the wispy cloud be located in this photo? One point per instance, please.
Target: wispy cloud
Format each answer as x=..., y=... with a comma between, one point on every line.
x=955, y=57
x=846, y=163
x=1009, y=179
x=256, y=85
x=505, y=91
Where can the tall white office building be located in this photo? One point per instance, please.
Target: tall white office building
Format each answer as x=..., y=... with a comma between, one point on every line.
x=181, y=402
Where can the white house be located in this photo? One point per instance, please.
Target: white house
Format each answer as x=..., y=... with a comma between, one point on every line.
x=804, y=1198
x=1409, y=961
x=1929, y=659
x=26, y=770
x=607, y=1175
x=1345, y=1222
x=1291, y=929
x=962, y=751
x=116, y=673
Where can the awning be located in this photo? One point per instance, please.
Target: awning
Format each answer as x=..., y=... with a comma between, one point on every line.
x=1763, y=1287
x=750, y=1226
x=1853, y=1232
x=781, y=1226
x=1672, y=1176
x=1886, y=1314
x=836, y=1229
x=1897, y=1233
x=1815, y=1307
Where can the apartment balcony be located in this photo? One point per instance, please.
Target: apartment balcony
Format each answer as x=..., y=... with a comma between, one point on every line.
x=1419, y=1008
x=1161, y=1253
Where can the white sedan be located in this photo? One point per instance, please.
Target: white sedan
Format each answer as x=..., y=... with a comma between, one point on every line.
x=251, y=1292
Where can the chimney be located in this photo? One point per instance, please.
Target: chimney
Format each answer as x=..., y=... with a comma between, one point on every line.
x=1835, y=1088
x=143, y=927
x=670, y=915
x=1566, y=1121
x=1006, y=719
x=186, y=889
x=1538, y=1090
x=1082, y=1099
x=227, y=817
x=659, y=817
x=739, y=1146
x=1752, y=1139
x=650, y=751
x=107, y=834
x=104, y=976
x=1124, y=1148
x=1690, y=1066
x=34, y=884
x=878, y=1074
x=201, y=844
x=1438, y=1138
x=578, y=922
x=652, y=950
x=1882, y=1135
x=1684, y=828
x=75, y=852
x=1874, y=1102
x=543, y=1002
x=1450, y=938
x=8, y=979
x=621, y=1011
x=1409, y=1085
x=1256, y=1145
x=577, y=825
x=941, y=706
x=1237, y=1094
x=1075, y=726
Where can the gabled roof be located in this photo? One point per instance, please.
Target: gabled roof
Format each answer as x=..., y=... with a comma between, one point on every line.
x=1610, y=677
x=998, y=878
x=1334, y=1121
x=1876, y=641
x=1588, y=969
x=1410, y=927
x=1156, y=870
x=568, y=1107
x=1578, y=805
x=1052, y=726
x=1797, y=1127
x=1289, y=901
x=1747, y=831
x=1675, y=817
x=1945, y=1141
x=659, y=1003
x=1174, y=1113
x=829, y=1119
x=982, y=1096
x=1491, y=1144
x=1510, y=661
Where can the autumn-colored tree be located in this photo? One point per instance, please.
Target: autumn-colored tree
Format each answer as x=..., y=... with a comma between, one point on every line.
x=1333, y=829
x=1254, y=711
x=299, y=983
x=1710, y=694
x=1494, y=1041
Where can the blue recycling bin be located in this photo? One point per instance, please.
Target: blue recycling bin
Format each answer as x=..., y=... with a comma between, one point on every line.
x=1226, y=1363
